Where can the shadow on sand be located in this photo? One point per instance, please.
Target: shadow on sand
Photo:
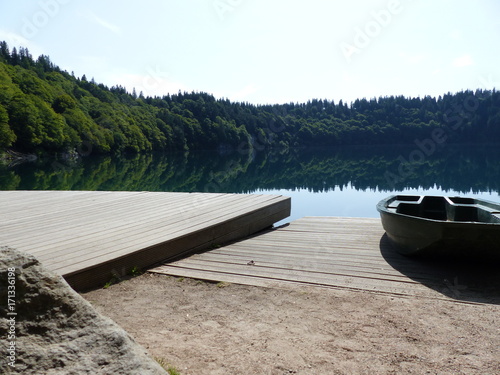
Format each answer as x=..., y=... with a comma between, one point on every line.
x=462, y=280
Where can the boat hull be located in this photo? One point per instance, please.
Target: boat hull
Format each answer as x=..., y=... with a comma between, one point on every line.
x=445, y=227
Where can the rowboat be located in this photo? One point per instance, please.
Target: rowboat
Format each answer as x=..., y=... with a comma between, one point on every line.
x=439, y=226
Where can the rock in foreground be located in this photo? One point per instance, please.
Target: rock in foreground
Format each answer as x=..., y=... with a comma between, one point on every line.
x=52, y=330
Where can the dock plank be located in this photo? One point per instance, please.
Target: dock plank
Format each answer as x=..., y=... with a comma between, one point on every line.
x=335, y=252
x=150, y=229
x=102, y=216
x=88, y=236
x=124, y=241
x=150, y=214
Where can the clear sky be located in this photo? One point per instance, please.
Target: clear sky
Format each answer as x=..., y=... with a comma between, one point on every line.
x=267, y=51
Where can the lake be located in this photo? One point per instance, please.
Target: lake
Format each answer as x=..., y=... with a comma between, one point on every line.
x=347, y=181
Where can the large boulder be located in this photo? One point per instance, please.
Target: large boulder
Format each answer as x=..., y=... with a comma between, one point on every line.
x=48, y=328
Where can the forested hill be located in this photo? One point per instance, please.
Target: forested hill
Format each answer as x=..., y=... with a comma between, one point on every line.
x=45, y=109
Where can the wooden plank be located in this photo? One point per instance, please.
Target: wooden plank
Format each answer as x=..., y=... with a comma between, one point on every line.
x=324, y=264
x=143, y=258
x=274, y=283
x=222, y=277
x=312, y=269
x=186, y=241
x=294, y=248
x=147, y=213
x=36, y=203
x=327, y=259
x=94, y=221
x=337, y=281
x=149, y=232
x=173, y=226
x=88, y=236
x=340, y=253
x=75, y=209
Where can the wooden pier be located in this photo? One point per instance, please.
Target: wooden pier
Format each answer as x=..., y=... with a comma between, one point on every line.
x=340, y=253
x=89, y=237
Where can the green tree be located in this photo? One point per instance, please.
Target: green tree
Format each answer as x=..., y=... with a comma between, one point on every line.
x=55, y=134
x=26, y=123
x=7, y=136
x=63, y=102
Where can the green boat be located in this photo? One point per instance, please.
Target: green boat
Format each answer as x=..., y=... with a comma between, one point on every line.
x=438, y=226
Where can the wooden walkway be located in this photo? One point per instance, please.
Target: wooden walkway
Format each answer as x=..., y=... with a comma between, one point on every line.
x=344, y=253
x=87, y=237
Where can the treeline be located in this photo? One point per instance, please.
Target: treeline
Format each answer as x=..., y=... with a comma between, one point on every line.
x=46, y=109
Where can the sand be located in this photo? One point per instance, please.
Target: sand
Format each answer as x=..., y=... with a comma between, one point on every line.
x=203, y=328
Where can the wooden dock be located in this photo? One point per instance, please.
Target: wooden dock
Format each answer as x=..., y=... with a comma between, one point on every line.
x=341, y=253
x=89, y=237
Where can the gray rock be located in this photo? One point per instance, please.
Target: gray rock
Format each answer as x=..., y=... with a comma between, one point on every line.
x=56, y=330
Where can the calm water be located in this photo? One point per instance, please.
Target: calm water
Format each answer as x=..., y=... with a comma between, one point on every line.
x=341, y=182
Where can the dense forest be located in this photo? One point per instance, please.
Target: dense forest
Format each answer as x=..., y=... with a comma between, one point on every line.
x=46, y=109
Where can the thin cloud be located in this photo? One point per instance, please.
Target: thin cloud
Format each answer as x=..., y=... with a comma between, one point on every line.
x=107, y=25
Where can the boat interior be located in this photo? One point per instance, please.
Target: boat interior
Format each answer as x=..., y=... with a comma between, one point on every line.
x=445, y=208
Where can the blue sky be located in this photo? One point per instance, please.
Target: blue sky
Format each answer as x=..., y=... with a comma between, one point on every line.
x=267, y=51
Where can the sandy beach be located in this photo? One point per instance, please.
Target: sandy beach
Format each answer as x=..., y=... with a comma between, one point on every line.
x=215, y=328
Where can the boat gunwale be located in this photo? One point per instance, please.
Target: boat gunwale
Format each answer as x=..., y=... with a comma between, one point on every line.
x=382, y=208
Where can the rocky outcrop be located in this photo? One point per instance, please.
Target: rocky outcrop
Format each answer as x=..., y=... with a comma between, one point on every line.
x=47, y=328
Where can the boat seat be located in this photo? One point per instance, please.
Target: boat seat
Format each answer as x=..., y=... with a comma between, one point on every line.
x=411, y=209
x=466, y=213
x=434, y=208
